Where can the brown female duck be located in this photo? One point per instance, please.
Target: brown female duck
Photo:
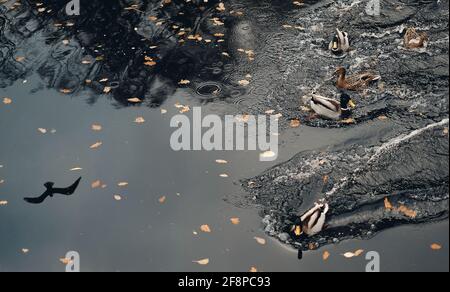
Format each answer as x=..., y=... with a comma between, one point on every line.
x=354, y=82
x=414, y=40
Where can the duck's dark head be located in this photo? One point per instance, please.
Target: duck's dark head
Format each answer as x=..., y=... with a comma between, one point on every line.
x=347, y=105
x=335, y=44
x=49, y=185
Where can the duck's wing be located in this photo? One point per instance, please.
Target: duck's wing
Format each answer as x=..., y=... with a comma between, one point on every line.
x=328, y=103
x=69, y=190
x=39, y=199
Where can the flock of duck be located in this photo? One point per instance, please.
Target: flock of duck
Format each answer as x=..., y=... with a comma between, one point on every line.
x=332, y=109
x=313, y=221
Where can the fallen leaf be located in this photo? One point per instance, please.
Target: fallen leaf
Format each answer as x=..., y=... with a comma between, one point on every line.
x=295, y=123
x=383, y=118
x=134, y=100
x=205, y=228
x=162, y=200
x=388, y=205
x=122, y=184
x=96, y=145
x=3, y=203
x=20, y=59
x=75, y=169
x=260, y=240
x=235, y=221
x=253, y=270
x=224, y=175
x=65, y=91
x=436, y=246
x=203, y=262
x=268, y=154
x=184, y=82
x=96, y=127
x=107, y=89
x=350, y=255
x=244, y=82
x=139, y=120
x=96, y=184
x=42, y=130
x=326, y=255
x=25, y=250
x=7, y=100
x=118, y=197
x=221, y=161
x=163, y=111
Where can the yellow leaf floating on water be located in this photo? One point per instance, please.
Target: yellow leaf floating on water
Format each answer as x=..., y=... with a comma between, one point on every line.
x=118, y=197
x=139, y=120
x=7, y=100
x=75, y=169
x=184, y=82
x=162, y=200
x=65, y=91
x=253, y=270
x=221, y=161
x=244, y=82
x=42, y=130
x=122, y=184
x=205, y=228
x=134, y=100
x=96, y=184
x=326, y=255
x=260, y=240
x=3, y=203
x=96, y=145
x=202, y=262
x=107, y=89
x=436, y=246
x=350, y=255
x=96, y=127
x=224, y=175
x=295, y=123
x=235, y=221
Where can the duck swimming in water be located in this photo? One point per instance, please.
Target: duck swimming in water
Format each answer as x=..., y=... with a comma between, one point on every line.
x=329, y=108
x=312, y=222
x=340, y=43
x=415, y=40
x=355, y=82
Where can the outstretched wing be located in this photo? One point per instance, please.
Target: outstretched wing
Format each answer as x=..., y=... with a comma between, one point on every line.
x=67, y=191
x=37, y=200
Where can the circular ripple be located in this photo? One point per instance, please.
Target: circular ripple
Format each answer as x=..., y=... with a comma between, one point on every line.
x=209, y=90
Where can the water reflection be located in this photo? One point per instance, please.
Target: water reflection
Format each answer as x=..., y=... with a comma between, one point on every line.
x=121, y=48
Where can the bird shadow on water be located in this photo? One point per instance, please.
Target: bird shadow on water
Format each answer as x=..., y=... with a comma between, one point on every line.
x=51, y=191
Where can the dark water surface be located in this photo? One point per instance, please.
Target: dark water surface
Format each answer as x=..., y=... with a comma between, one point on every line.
x=139, y=233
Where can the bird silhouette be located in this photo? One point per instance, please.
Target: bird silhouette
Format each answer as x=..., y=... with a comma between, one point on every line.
x=52, y=191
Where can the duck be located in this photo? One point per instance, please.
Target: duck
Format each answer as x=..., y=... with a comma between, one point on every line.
x=312, y=222
x=329, y=108
x=354, y=82
x=340, y=43
x=415, y=40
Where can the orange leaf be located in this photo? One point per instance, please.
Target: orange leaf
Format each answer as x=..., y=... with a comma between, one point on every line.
x=436, y=246
x=235, y=221
x=260, y=240
x=96, y=145
x=205, y=228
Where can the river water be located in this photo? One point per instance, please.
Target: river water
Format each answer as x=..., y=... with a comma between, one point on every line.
x=140, y=232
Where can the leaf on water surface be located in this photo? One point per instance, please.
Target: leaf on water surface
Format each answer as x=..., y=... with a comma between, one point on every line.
x=383, y=118
x=224, y=175
x=107, y=89
x=202, y=262
x=65, y=91
x=326, y=255
x=260, y=240
x=387, y=204
x=118, y=198
x=436, y=246
x=7, y=100
x=253, y=270
x=184, y=82
x=205, y=228
x=96, y=145
x=96, y=127
x=163, y=111
x=162, y=200
x=134, y=100
x=139, y=120
x=295, y=123
x=25, y=250
x=221, y=7
x=350, y=255
x=75, y=169
x=20, y=59
x=221, y=161
x=96, y=184
x=42, y=130
x=122, y=184
x=244, y=82
x=268, y=154
x=3, y=203
x=235, y=221
x=2, y=181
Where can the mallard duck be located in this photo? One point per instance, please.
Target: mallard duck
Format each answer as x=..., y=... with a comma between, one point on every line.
x=340, y=43
x=355, y=82
x=330, y=108
x=414, y=40
x=312, y=222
